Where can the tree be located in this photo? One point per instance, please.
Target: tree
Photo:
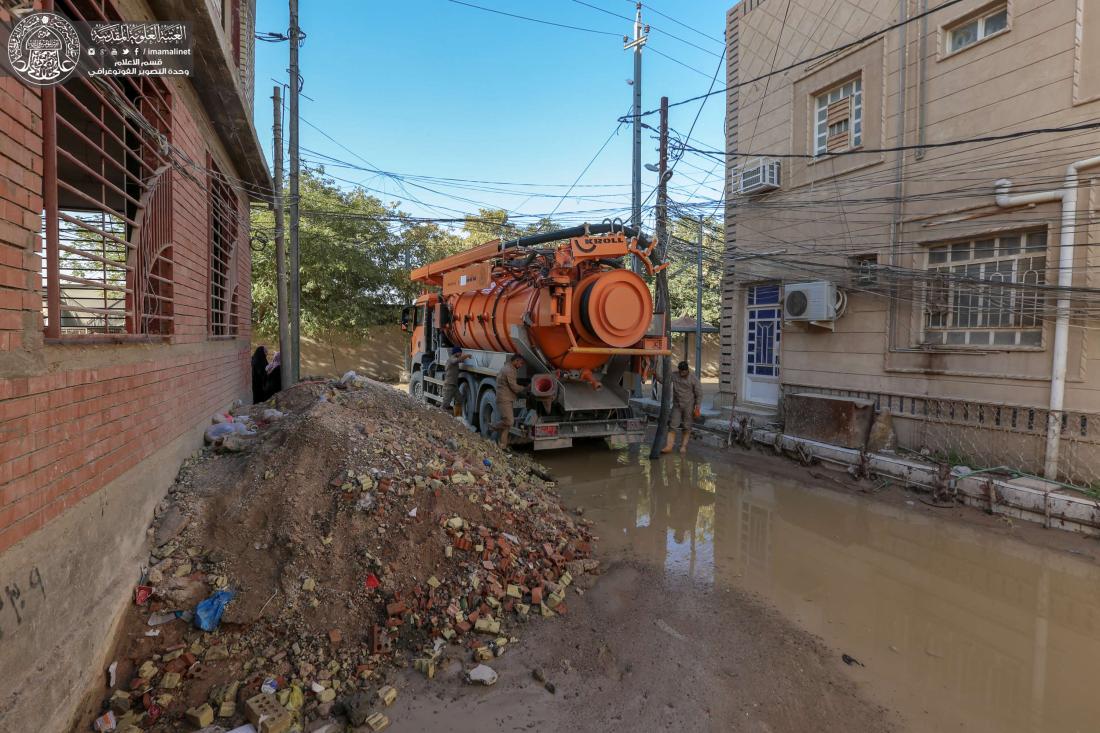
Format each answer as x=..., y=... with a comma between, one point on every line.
x=490, y=224
x=682, y=279
x=355, y=256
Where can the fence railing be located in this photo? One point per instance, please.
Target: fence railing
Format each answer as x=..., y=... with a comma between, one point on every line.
x=985, y=434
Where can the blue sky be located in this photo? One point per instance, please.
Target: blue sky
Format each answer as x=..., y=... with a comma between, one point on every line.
x=430, y=87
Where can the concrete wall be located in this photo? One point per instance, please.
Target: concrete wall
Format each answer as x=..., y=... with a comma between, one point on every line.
x=92, y=433
x=711, y=351
x=377, y=352
x=1033, y=75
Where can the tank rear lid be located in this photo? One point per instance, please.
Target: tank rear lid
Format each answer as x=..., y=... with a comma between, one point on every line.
x=617, y=308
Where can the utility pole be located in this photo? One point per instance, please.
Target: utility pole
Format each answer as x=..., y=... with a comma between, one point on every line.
x=295, y=170
x=662, y=285
x=640, y=36
x=280, y=239
x=699, y=302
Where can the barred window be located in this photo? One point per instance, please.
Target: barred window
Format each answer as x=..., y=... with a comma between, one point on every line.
x=107, y=201
x=224, y=231
x=838, y=125
x=981, y=292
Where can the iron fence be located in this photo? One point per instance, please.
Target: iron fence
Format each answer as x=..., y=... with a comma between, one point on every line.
x=984, y=435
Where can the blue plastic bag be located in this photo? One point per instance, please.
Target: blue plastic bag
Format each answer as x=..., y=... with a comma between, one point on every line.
x=208, y=614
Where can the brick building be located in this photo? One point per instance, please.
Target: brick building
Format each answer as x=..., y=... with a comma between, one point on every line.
x=124, y=324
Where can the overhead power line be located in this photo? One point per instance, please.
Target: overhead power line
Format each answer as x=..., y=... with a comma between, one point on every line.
x=919, y=146
x=535, y=20
x=589, y=165
x=651, y=27
x=801, y=62
x=677, y=22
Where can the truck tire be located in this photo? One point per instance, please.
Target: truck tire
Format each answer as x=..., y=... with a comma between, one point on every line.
x=487, y=413
x=465, y=398
x=416, y=386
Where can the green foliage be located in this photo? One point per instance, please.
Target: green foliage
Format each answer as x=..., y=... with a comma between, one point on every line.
x=356, y=254
x=355, y=260
x=490, y=224
x=682, y=272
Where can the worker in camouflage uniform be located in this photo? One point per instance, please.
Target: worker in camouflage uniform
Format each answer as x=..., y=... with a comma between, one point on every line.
x=687, y=401
x=450, y=379
x=508, y=389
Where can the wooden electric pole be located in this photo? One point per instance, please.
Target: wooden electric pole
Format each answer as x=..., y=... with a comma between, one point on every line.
x=295, y=171
x=635, y=44
x=280, y=242
x=662, y=285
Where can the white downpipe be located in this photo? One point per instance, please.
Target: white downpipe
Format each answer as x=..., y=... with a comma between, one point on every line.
x=1068, y=196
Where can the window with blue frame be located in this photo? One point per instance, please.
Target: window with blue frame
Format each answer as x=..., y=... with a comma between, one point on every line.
x=764, y=331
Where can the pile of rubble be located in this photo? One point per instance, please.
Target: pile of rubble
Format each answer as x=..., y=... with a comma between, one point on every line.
x=352, y=534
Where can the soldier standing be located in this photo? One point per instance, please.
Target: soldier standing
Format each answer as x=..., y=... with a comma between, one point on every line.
x=450, y=379
x=508, y=389
x=687, y=400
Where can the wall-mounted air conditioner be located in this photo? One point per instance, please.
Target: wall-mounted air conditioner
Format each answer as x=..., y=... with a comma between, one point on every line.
x=816, y=301
x=759, y=176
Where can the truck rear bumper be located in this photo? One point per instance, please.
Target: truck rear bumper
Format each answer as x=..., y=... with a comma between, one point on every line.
x=619, y=432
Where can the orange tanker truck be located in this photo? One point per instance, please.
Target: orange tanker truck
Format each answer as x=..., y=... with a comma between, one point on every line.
x=564, y=301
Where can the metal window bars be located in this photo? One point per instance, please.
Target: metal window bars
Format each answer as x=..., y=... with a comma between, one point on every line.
x=225, y=231
x=107, y=202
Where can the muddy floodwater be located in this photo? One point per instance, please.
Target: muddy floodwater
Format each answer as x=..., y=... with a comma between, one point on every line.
x=957, y=627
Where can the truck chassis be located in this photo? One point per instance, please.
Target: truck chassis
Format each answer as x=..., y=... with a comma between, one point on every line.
x=544, y=430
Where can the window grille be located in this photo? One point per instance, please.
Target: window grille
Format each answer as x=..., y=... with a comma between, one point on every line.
x=107, y=201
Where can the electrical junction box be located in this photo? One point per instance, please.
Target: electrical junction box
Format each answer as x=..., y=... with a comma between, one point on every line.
x=467, y=279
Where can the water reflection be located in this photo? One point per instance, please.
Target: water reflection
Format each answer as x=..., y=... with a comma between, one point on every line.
x=960, y=629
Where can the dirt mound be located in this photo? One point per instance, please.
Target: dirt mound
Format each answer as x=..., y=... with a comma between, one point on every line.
x=357, y=531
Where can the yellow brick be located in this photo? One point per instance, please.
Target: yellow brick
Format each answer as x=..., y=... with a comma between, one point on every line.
x=387, y=695
x=377, y=722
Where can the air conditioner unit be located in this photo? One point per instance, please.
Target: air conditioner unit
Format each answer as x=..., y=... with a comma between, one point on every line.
x=816, y=301
x=759, y=176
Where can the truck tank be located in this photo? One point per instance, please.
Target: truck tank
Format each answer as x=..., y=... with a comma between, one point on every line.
x=573, y=301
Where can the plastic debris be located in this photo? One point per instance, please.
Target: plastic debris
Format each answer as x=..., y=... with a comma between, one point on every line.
x=164, y=617
x=269, y=686
x=208, y=614
x=106, y=722
x=221, y=430
x=482, y=674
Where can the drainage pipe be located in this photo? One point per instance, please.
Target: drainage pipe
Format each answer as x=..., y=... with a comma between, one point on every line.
x=1068, y=196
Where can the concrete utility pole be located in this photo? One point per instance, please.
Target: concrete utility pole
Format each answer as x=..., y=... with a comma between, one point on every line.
x=662, y=285
x=280, y=238
x=295, y=170
x=636, y=43
x=699, y=303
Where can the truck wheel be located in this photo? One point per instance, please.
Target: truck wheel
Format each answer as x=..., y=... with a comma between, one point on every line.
x=416, y=386
x=464, y=398
x=487, y=413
